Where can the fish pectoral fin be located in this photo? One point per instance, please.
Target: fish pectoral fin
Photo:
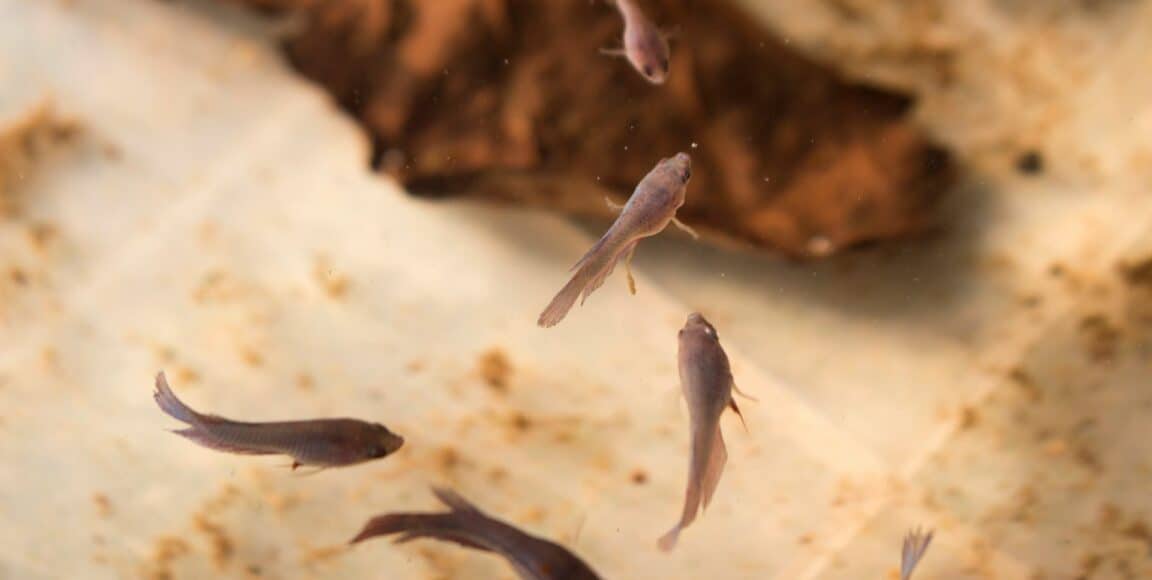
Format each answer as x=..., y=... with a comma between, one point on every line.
x=685, y=228
x=732, y=405
x=306, y=472
x=614, y=52
x=743, y=394
x=628, y=252
x=616, y=207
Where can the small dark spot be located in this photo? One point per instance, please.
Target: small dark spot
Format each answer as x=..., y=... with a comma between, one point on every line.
x=521, y=422
x=1030, y=162
x=495, y=369
x=18, y=277
x=639, y=477
x=969, y=418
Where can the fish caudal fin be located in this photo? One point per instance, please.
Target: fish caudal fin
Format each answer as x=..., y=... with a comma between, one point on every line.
x=707, y=465
x=591, y=271
x=668, y=541
x=915, y=544
x=171, y=404
x=463, y=525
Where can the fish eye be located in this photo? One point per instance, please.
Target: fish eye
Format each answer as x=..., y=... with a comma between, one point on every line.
x=664, y=64
x=686, y=175
x=648, y=71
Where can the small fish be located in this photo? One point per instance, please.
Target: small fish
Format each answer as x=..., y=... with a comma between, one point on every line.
x=645, y=47
x=915, y=544
x=707, y=384
x=651, y=208
x=533, y=558
x=320, y=442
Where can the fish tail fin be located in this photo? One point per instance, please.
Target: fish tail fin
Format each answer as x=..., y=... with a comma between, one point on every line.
x=462, y=525
x=668, y=541
x=590, y=273
x=716, y=461
x=915, y=544
x=171, y=404
x=702, y=478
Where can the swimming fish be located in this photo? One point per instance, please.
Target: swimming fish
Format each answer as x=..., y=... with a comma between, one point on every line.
x=318, y=442
x=915, y=544
x=707, y=384
x=650, y=209
x=533, y=558
x=645, y=47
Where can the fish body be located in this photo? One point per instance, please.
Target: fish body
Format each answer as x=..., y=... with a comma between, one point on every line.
x=645, y=47
x=915, y=545
x=317, y=442
x=532, y=557
x=649, y=210
x=706, y=381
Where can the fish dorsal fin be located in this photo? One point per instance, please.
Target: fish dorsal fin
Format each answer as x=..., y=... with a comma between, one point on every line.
x=454, y=500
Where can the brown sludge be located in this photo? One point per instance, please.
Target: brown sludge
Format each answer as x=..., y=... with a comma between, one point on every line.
x=511, y=101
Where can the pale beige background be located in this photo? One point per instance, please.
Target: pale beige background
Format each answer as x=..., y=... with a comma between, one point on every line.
x=216, y=203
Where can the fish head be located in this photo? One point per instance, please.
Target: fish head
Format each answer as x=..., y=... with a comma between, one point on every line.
x=649, y=54
x=384, y=442
x=679, y=166
x=698, y=327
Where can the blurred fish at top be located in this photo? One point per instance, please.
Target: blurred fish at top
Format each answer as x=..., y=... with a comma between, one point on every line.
x=651, y=208
x=915, y=544
x=645, y=47
x=533, y=558
x=706, y=380
x=318, y=442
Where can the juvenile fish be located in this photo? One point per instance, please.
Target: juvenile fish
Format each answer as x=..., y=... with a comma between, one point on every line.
x=706, y=380
x=650, y=209
x=319, y=442
x=915, y=544
x=533, y=558
x=645, y=47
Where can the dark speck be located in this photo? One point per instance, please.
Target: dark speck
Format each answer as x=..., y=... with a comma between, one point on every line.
x=1030, y=163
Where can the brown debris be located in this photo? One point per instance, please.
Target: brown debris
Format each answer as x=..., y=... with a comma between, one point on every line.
x=24, y=141
x=305, y=382
x=639, y=477
x=1023, y=380
x=166, y=550
x=969, y=418
x=42, y=236
x=334, y=285
x=1138, y=272
x=218, y=540
x=511, y=101
x=495, y=369
x=102, y=504
x=251, y=356
x=322, y=554
x=1100, y=336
